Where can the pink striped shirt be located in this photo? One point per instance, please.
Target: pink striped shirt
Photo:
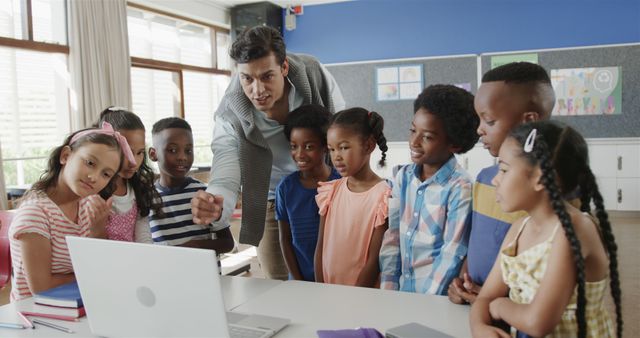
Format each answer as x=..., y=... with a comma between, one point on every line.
x=40, y=215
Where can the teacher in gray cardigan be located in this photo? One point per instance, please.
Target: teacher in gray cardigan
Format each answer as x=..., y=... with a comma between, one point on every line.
x=250, y=151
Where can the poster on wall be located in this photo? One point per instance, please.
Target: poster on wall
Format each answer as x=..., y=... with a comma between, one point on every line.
x=587, y=91
x=499, y=60
x=398, y=82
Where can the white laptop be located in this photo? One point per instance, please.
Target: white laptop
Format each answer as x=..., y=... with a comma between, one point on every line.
x=146, y=290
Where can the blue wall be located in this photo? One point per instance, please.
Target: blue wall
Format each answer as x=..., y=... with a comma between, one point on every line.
x=389, y=29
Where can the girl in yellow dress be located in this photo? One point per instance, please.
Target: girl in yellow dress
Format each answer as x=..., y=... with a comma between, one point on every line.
x=555, y=263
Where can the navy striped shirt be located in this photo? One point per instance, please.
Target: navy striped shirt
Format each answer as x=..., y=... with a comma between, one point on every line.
x=177, y=227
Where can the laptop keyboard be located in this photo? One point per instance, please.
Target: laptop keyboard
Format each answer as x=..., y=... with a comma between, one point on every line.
x=236, y=331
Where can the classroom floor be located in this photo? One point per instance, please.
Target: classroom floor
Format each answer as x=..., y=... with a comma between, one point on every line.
x=627, y=231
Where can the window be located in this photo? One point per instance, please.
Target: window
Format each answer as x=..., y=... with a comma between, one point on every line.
x=202, y=93
x=180, y=67
x=34, y=115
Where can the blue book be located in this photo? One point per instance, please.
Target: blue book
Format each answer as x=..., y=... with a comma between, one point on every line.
x=66, y=295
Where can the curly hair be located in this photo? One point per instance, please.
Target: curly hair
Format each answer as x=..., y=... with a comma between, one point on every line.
x=562, y=154
x=147, y=197
x=366, y=124
x=311, y=116
x=256, y=42
x=454, y=107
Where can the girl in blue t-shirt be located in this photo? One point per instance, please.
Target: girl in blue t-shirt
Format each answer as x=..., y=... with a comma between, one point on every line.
x=296, y=208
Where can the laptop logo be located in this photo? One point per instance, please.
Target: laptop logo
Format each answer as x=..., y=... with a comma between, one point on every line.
x=145, y=296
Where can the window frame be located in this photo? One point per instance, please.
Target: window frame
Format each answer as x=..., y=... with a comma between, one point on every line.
x=28, y=43
x=180, y=67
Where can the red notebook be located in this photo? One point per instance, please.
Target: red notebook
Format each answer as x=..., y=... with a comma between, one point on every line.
x=29, y=308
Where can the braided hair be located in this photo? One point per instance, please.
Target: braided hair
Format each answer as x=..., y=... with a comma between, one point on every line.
x=589, y=192
x=367, y=124
x=562, y=154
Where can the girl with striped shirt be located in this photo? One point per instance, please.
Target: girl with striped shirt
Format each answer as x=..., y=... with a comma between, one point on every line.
x=64, y=202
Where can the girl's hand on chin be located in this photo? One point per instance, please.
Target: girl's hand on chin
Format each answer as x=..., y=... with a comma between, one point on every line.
x=99, y=211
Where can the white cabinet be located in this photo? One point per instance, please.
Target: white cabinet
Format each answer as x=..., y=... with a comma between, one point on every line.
x=616, y=164
x=628, y=160
x=628, y=193
x=608, y=187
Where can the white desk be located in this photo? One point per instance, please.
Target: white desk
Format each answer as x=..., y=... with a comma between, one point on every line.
x=235, y=290
x=312, y=306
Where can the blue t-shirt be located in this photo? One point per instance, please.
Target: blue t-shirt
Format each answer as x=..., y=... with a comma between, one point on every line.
x=297, y=206
x=489, y=226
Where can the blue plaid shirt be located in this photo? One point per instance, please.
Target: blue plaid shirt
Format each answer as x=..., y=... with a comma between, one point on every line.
x=429, y=225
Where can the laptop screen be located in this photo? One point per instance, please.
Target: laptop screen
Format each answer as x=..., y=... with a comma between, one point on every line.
x=134, y=289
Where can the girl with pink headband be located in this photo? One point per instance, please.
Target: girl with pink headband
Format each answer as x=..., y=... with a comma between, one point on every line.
x=64, y=202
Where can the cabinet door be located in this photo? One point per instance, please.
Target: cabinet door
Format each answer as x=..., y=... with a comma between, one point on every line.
x=609, y=190
x=628, y=160
x=603, y=160
x=628, y=194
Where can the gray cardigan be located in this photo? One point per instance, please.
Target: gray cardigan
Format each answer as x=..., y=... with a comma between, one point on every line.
x=254, y=152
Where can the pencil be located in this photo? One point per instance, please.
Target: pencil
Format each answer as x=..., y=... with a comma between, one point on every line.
x=53, y=326
x=26, y=320
x=12, y=326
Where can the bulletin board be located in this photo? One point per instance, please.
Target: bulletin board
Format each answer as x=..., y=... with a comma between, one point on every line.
x=358, y=84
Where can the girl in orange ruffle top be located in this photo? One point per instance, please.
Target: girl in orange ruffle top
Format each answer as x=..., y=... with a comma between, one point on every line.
x=353, y=209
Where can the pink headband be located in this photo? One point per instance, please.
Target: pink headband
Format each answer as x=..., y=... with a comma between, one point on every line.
x=107, y=129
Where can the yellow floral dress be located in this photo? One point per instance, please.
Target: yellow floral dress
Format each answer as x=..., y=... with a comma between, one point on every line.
x=524, y=271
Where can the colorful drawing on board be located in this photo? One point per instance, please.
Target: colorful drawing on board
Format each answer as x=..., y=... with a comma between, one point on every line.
x=466, y=86
x=500, y=60
x=587, y=91
x=387, y=75
x=388, y=92
x=411, y=74
x=409, y=91
x=398, y=82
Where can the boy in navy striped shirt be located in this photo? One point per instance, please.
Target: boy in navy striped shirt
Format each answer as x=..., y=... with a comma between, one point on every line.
x=173, y=150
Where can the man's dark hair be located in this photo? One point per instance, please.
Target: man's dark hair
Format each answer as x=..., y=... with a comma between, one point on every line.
x=530, y=79
x=454, y=107
x=170, y=122
x=257, y=42
x=311, y=116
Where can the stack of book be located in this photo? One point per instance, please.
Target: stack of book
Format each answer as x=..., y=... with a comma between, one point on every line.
x=62, y=302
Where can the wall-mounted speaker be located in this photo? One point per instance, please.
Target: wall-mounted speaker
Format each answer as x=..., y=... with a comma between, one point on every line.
x=255, y=14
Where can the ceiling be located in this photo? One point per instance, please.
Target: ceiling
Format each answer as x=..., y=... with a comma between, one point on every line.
x=281, y=3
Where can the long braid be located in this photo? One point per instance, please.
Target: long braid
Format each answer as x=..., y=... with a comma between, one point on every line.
x=376, y=123
x=548, y=179
x=610, y=245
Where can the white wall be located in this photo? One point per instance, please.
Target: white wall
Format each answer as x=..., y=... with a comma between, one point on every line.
x=201, y=10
